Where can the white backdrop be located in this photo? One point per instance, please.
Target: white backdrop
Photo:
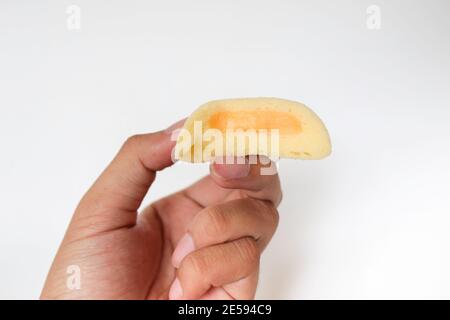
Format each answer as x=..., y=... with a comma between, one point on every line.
x=371, y=221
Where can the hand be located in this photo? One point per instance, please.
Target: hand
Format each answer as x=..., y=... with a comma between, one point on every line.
x=203, y=242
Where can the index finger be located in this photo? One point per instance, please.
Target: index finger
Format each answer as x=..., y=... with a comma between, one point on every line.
x=258, y=179
x=231, y=181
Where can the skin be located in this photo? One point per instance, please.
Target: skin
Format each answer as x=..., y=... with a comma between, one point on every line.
x=203, y=242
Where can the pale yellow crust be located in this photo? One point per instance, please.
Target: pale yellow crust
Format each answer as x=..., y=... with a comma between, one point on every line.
x=302, y=135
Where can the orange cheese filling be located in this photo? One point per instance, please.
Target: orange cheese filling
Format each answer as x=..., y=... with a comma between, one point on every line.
x=285, y=122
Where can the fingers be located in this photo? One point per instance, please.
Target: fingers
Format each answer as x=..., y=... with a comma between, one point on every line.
x=113, y=200
x=207, y=192
x=248, y=214
x=216, y=266
x=231, y=181
x=222, y=247
x=260, y=180
x=226, y=222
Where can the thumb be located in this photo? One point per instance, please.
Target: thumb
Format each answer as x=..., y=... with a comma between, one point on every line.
x=113, y=200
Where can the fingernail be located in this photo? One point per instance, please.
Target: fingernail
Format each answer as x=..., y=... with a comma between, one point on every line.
x=175, y=126
x=176, y=291
x=184, y=247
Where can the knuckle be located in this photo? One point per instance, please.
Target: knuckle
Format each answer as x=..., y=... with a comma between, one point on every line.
x=132, y=141
x=269, y=211
x=194, y=263
x=214, y=222
x=248, y=251
x=273, y=214
x=280, y=198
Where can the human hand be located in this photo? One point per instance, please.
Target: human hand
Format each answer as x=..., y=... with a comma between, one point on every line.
x=203, y=242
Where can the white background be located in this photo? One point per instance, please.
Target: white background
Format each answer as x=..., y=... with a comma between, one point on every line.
x=371, y=221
